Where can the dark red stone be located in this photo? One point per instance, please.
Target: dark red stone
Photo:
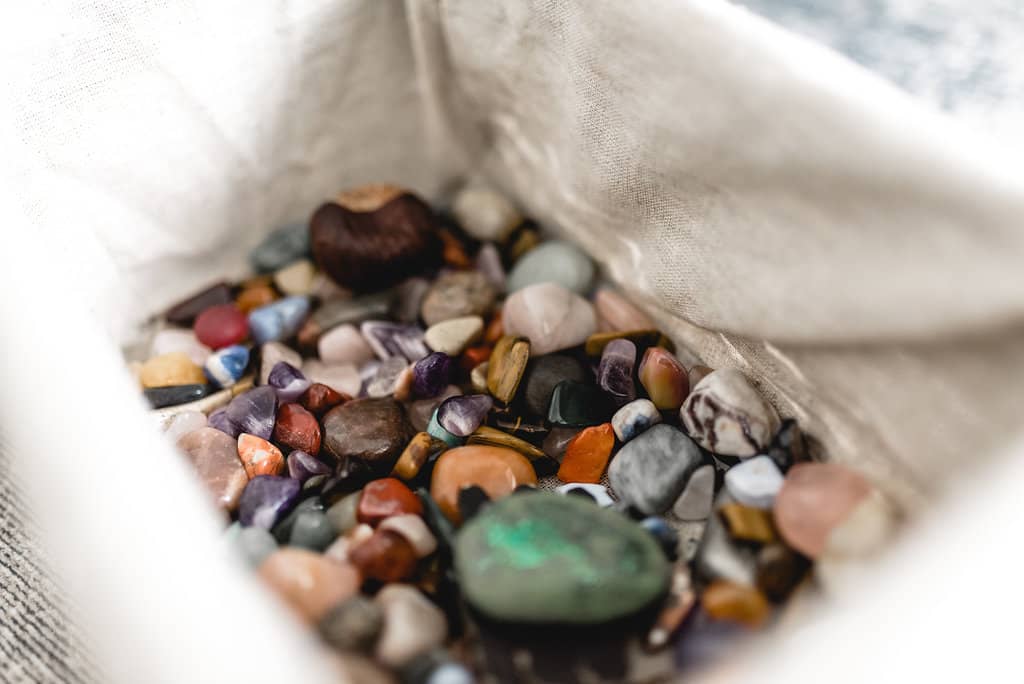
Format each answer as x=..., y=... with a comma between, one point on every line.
x=297, y=428
x=221, y=326
x=185, y=312
x=384, y=498
x=319, y=399
x=385, y=557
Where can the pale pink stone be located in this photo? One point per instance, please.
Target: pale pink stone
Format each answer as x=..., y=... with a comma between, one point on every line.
x=343, y=545
x=179, y=340
x=413, y=625
x=551, y=316
x=214, y=456
x=184, y=423
x=271, y=353
x=414, y=530
x=615, y=312
x=342, y=377
x=814, y=499
x=344, y=344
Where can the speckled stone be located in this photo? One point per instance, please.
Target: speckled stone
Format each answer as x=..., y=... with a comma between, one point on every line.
x=550, y=316
x=214, y=457
x=652, y=469
x=726, y=415
x=371, y=431
x=308, y=582
x=455, y=295
x=635, y=417
x=545, y=558
x=554, y=261
x=259, y=456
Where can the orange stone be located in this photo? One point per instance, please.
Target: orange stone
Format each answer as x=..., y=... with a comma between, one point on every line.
x=454, y=254
x=586, y=456
x=386, y=557
x=724, y=600
x=319, y=399
x=310, y=583
x=496, y=470
x=384, y=498
x=474, y=356
x=259, y=456
x=254, y=297
x=297, y=428
x=495, y=330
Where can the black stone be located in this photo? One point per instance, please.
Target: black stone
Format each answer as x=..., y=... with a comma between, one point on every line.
x=542, y=374
x=161, y=397
x=575, y=404
x=472, y=500
x=184, y=313
x=788, y=446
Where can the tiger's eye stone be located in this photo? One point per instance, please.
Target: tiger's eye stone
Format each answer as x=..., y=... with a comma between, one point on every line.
x=386, y=557
x=586, y=456
x=309, y=583
x=319, y=399
x=664, y=378
x=185, y=312
x=419, y=450
x=386, y=497
x=175, y=368
x=297, y=428
x=723, y=600
x=488, y=436
x=815, y=498
x=496, y=470
x=506, y=367
x=259, y=456
x=747, y=524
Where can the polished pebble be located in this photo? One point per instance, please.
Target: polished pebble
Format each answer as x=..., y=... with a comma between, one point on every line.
x=281, y=247
x=485, y=214
x=498, y=471
x=385, y=557
x=303, y=466
x=719, y=558
x=489, y=436
x=371, y=431
x=387, y=378
x=412, y=625
x=432, y=374
x=386, y=497
x=288, y=382
x=259, y=456
x=635, y=417
x=279, y=320
x=553, y=262
x=723, y=600
x=748, y=524
x=550, y=316
x=183, y=423
x=266, y=499
x=174, y=368
x=343, y=378
x=254, y=411
x=695, y=501
x=319, y=399
x=388, y=339
x=462, y=415
x=815, y=498
x=226, y=366
x=454, y=335
x=439, y=432
x=575, y=404
x=175, y=395
x=354, y=624
x=617, y=313
x=652, y=469
x=308, y=582
x=506, y=366
x=296, y=278
x=415, y=531
x=664, y=379
x=344, y=344
x=297, y=428
x=488, y=262
x=586, y=456
x=597, y=493
x=543, y=374
x=642, y=339
x=779, y=570
x=421, y=410
x=343, y=512
x=179, y=340
x=615, y=372
x=214, y=456
x=754, y=482
x=273, y=352
x=420, y=449
x=254, y=297
x=312, y=530
x=221, y=326
x=255, y=544
x=727, y=416
x=457, y=295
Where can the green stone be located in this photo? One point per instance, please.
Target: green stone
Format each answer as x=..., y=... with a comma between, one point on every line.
x=576, y=404
x=548, y=558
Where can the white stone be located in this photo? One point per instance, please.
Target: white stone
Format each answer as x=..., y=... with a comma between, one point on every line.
x=179, y=340
x=414, y=530
x=484, y=213
x=412, y=625
x=552, y=317
x=635, y=417
x=296, y=278
x=599, y=492
x=342, y=377
x=454, y=335
x=727, y=416
x=273, y=352
x=755, y=482
x=344, y=344
x=695, y=501
x=183, y=423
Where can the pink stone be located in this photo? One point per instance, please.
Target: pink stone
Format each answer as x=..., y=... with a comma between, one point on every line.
x=214, y=456
x=814, y=500
x=344, y=344
x=615, y=312
x=552, y=317
x=183, y=423
x=343, y=377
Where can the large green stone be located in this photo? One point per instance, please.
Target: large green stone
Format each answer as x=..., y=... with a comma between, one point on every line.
x=549, y=558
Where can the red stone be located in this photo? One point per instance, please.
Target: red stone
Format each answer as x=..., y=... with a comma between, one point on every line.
x=386, y=497
x=221, y=326
x=385, y=557
x=319, y=399
x=297, y=428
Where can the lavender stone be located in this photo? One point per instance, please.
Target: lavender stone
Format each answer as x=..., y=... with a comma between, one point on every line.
x=302, y=466
x=461, y=416
x=615, y=373
x=254, y=411
x=389, y=339
x=219, y=420
x=278, y=320
x=431, y=374
x=266, y=499
x=288, y=381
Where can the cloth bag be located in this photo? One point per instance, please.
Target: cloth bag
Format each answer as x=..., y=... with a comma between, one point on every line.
x=775, y=207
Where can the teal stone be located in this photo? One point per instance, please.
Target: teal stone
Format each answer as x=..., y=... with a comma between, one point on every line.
x=280, y=248
x=547, y=558
x=576, y=404
x=553, y=262
x=435, y=429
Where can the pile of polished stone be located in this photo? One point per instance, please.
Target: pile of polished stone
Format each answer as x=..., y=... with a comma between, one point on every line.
x=443, y=449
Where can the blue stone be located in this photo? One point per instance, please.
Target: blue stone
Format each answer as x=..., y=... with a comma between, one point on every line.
x=278, y=320
x=435, y=429
x=226, y=366
x=280, y=248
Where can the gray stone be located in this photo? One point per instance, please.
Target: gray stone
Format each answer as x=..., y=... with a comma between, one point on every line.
x=553, y=262
x=256, y=544
x=312, y=530
x=695, y=501
x=280, y=248
x=454, y=295
x=353, y=625
x=652, y=469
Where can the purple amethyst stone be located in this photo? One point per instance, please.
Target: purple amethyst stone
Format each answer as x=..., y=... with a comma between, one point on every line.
x=254, y=411
x=266, y=499
x=219, y=419
x=431, y=375
x=389, y=339
x=288, y=381
x=615, y=372
x=461, y=416
x=302, y=466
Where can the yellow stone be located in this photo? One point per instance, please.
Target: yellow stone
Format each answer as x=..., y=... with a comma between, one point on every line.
x=175, y=368
x=506, y=366
x=748, y=524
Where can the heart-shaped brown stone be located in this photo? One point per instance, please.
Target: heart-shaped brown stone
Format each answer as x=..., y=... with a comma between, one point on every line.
x=371, y=250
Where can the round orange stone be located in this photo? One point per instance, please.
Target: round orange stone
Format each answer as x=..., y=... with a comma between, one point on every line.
x=259, y=456
x=586, y=456
x=496, y=470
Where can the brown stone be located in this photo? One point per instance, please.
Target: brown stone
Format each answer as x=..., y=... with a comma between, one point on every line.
x=723, y=600
x=372, y=432
x=310, y=583
x=748, y=524
x=419, y=450
x=386, y=557
x=214, y=455
x=488, y=436
x=254, y=297
x=297, y=428
x=319, y=399
x=506, y=367
x=384, y=498
x=496, y=470
x=779, y=570
x=495, y=328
